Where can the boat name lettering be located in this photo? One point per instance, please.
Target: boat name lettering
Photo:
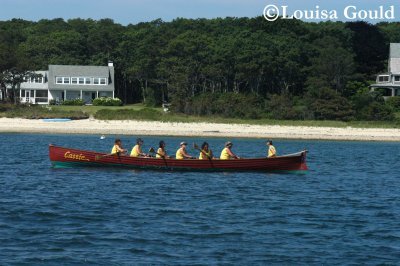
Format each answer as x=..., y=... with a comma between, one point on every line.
x=80, y=157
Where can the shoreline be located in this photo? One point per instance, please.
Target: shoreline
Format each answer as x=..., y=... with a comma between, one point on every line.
x=156, y=128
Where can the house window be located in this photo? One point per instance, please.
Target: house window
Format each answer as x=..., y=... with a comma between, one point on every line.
x=96, y=81
x=105, y=94
x=81, y=80
x=66, y=80
x=42, y=93
x=397, y=78
x=103, y=81
x=74, y=80
x=59, y=80
x=87, y=81
x=383, y=78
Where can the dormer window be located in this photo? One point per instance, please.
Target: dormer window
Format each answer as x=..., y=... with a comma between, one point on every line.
x=383, y=78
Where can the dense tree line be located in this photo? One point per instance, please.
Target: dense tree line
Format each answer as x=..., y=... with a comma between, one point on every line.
x=248, y=67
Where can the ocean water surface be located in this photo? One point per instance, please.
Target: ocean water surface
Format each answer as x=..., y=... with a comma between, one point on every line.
x=344, y=210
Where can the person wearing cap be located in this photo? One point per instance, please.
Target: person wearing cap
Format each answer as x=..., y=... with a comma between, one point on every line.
x=271, y=149
x=117, y=148
x=137, y=149
x=161, y=152
x=205, y=152
x=181, y=152
x=227, y=153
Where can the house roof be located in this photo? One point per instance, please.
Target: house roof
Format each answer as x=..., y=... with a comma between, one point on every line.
x=395, y=50
x=79, y=71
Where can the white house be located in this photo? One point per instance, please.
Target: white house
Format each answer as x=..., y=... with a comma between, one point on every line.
x=67, y=82
x=389, y=83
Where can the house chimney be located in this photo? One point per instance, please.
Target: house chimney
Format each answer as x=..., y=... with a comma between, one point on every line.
x=110, y=64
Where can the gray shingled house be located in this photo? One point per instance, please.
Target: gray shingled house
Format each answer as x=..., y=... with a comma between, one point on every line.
x=389, y=83
x=67, y=82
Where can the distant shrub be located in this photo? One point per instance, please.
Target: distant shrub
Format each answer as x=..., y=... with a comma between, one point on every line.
x=282, y=107
x=230, y=105
x=107, y=101
x=327, y=104
x=377, y=111
x=128, y=114
x=40, y=112
x=76, y=102
x=372, y=107
x=6, y=106
x=52, y=102
x=394, y=102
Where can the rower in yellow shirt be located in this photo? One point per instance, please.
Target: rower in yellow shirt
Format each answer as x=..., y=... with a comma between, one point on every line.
x=161, y=152
x=271, y=149
x=227, y=153
x=117, y=148
x=137, y=149
x=205, y=152
x=181, y=152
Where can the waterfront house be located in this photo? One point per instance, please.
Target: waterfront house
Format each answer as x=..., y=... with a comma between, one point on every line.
x=389, y=83
x=68, y=82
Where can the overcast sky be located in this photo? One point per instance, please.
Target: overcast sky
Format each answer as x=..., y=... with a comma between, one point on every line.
x=134, y=11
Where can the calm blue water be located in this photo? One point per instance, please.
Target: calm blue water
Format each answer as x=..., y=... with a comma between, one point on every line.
x=345, y=210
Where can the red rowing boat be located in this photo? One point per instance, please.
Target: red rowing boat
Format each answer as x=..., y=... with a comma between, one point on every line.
x=65, y=157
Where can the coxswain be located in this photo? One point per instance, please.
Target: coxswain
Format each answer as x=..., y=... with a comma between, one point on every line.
x=271, y=149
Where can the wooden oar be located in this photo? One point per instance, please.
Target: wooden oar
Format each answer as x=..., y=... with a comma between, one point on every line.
x=197, y=148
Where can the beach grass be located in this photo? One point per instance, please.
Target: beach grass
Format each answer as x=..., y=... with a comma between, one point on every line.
x=39, y=112
x=92, y=109
x=143, y=113
x=149, y=114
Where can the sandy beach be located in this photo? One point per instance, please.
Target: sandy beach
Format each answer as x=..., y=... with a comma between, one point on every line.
x=142, y=128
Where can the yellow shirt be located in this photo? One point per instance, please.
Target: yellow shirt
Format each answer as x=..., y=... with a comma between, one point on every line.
x=114, y=149
x=179, y=154
x=160, y=153
x=271, y=151
x=136, y=151
x=205, y=155
x=224, y=154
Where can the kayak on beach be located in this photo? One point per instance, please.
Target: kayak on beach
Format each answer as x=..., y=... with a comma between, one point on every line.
x=65, y=157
